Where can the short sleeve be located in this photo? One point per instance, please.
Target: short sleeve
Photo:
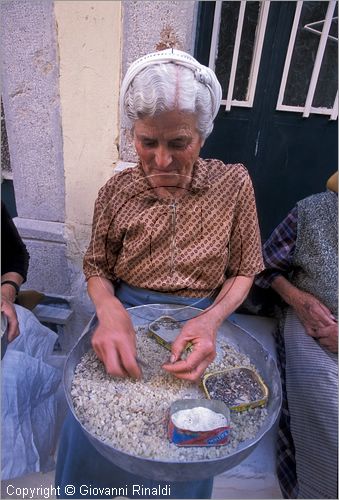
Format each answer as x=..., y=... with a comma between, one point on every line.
x=102, y=252
x=245, y=243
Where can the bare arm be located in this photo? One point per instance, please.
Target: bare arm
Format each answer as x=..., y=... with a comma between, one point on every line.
x=202, y=330
x=8, y=296
x=114, y=338
x=316, y=318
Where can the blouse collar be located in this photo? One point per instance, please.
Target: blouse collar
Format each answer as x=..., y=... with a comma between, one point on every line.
x=199, y=183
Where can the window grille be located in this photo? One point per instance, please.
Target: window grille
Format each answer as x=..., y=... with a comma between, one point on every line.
x=236, y=47
x=310, y=81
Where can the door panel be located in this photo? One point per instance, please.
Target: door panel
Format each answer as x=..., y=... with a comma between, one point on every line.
x=288, y=156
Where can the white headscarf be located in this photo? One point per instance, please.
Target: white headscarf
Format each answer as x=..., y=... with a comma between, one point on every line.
x=202, y=73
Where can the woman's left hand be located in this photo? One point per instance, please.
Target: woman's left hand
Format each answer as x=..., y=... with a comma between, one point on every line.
x=202, y=335
x=8, y=308
x=328, y=336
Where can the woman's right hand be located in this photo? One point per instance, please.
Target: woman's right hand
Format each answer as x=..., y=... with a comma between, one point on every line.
x=114, y=340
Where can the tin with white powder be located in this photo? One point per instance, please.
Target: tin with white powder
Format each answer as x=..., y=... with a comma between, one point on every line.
x=199, y=422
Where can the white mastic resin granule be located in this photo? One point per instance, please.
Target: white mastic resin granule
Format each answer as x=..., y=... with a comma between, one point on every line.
x=198, y=419
x=132, y=416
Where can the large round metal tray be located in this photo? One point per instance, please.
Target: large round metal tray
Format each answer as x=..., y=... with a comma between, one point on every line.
x=178, y=471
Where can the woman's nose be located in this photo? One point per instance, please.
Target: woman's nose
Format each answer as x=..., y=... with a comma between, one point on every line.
x=163, y=157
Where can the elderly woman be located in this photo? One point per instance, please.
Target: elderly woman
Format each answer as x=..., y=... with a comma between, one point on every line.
x=301, y=258
x=174, y=229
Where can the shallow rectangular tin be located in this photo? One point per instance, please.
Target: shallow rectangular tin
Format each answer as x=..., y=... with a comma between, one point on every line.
x=183, y=437
x=244, y=405
x=165, y=330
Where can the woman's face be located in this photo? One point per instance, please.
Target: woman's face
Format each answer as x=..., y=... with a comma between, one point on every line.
x=168, y=145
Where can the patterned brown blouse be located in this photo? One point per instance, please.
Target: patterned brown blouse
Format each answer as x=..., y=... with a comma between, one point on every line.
x=187, y=246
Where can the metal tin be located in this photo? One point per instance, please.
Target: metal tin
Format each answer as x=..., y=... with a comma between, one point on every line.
x=165, y=329
x=4, y=334
x=185, y=437
x=234, y=399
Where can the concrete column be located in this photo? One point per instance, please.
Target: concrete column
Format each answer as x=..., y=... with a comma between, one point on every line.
x=30, y=90
x=32, y=107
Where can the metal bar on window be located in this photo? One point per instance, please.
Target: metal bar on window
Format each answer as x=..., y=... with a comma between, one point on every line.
x=300, y=109
x=308, y=27
x=334, y=114
x=257, y=51
x=215, y=35
x=235, y=54
x=289, y=55
x=319, y=58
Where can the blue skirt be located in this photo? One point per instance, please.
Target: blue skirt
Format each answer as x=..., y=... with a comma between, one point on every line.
x=82, y=472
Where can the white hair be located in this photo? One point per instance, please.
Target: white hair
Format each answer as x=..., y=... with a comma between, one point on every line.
x=166, y=87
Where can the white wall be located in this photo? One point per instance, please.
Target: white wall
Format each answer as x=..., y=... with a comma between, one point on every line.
x=89, y=35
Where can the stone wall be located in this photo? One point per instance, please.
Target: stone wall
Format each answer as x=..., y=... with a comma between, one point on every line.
x=30, y=91
x=6, y=171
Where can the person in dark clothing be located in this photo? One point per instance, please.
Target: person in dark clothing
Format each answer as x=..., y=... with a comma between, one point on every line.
x=14, y=267
x=29, y=381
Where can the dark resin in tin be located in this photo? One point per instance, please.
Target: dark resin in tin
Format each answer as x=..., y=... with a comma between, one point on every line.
x=234, y=387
